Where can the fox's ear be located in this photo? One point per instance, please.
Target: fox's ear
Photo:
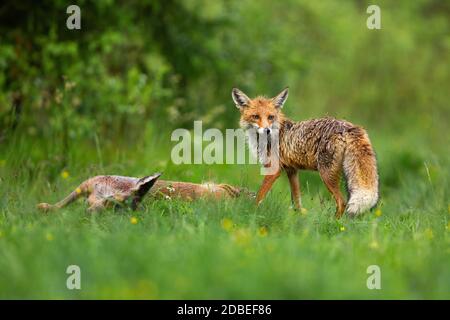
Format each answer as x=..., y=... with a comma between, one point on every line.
x=149, y=179
x=240, y=99
x=281, y=98
x=144, y=184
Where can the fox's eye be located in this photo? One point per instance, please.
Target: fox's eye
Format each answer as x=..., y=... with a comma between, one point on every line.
x=271, y=117
x=255, y=117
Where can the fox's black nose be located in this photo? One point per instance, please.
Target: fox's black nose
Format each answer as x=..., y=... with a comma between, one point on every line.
x=267, y=130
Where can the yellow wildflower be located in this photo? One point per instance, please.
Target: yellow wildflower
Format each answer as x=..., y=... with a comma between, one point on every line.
x=65, y=174
x=134, y=220
x=303, y=211
x=78, y=190
x=262, y=232
x=227, y=224
x=49, y=236
x=342, y=228
x=378, y=212
x=374, y=245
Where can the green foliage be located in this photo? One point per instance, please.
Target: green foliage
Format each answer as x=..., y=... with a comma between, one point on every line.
x=177, y=60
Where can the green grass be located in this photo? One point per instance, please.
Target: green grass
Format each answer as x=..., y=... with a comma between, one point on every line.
x=226, y=249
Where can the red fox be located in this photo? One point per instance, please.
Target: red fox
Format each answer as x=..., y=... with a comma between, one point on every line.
x=327, y=145
x=104, y=191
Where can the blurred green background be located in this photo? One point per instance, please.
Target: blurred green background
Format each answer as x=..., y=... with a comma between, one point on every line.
x=134, y=63
x=105, y=99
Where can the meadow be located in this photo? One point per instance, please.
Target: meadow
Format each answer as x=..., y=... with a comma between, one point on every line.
x=171, y=249
x=105, y=100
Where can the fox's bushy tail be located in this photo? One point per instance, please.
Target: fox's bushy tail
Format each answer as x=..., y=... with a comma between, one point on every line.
x=360, y=169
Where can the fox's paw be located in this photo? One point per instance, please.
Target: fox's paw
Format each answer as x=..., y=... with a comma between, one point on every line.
x=247, y=193
x=250, y=194
x=44, y=206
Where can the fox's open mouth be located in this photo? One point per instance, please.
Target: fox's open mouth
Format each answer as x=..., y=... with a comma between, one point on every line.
x=266, y=140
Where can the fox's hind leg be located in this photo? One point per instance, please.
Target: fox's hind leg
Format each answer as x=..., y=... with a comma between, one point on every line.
x=331, y=176
x=74, y=195
x=97, y=206
x=96, y=203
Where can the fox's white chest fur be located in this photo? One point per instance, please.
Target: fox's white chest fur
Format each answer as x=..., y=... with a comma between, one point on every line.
x=257, y=144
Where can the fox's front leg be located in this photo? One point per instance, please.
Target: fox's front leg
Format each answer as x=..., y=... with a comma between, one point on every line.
x=295, y=188
x=267, y=185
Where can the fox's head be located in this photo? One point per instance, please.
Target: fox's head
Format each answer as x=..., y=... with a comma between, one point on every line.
x=141, y=188
x=260, y=113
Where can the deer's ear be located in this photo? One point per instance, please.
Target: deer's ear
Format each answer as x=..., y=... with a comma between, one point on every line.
x=240, y=99
x=281, y=98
